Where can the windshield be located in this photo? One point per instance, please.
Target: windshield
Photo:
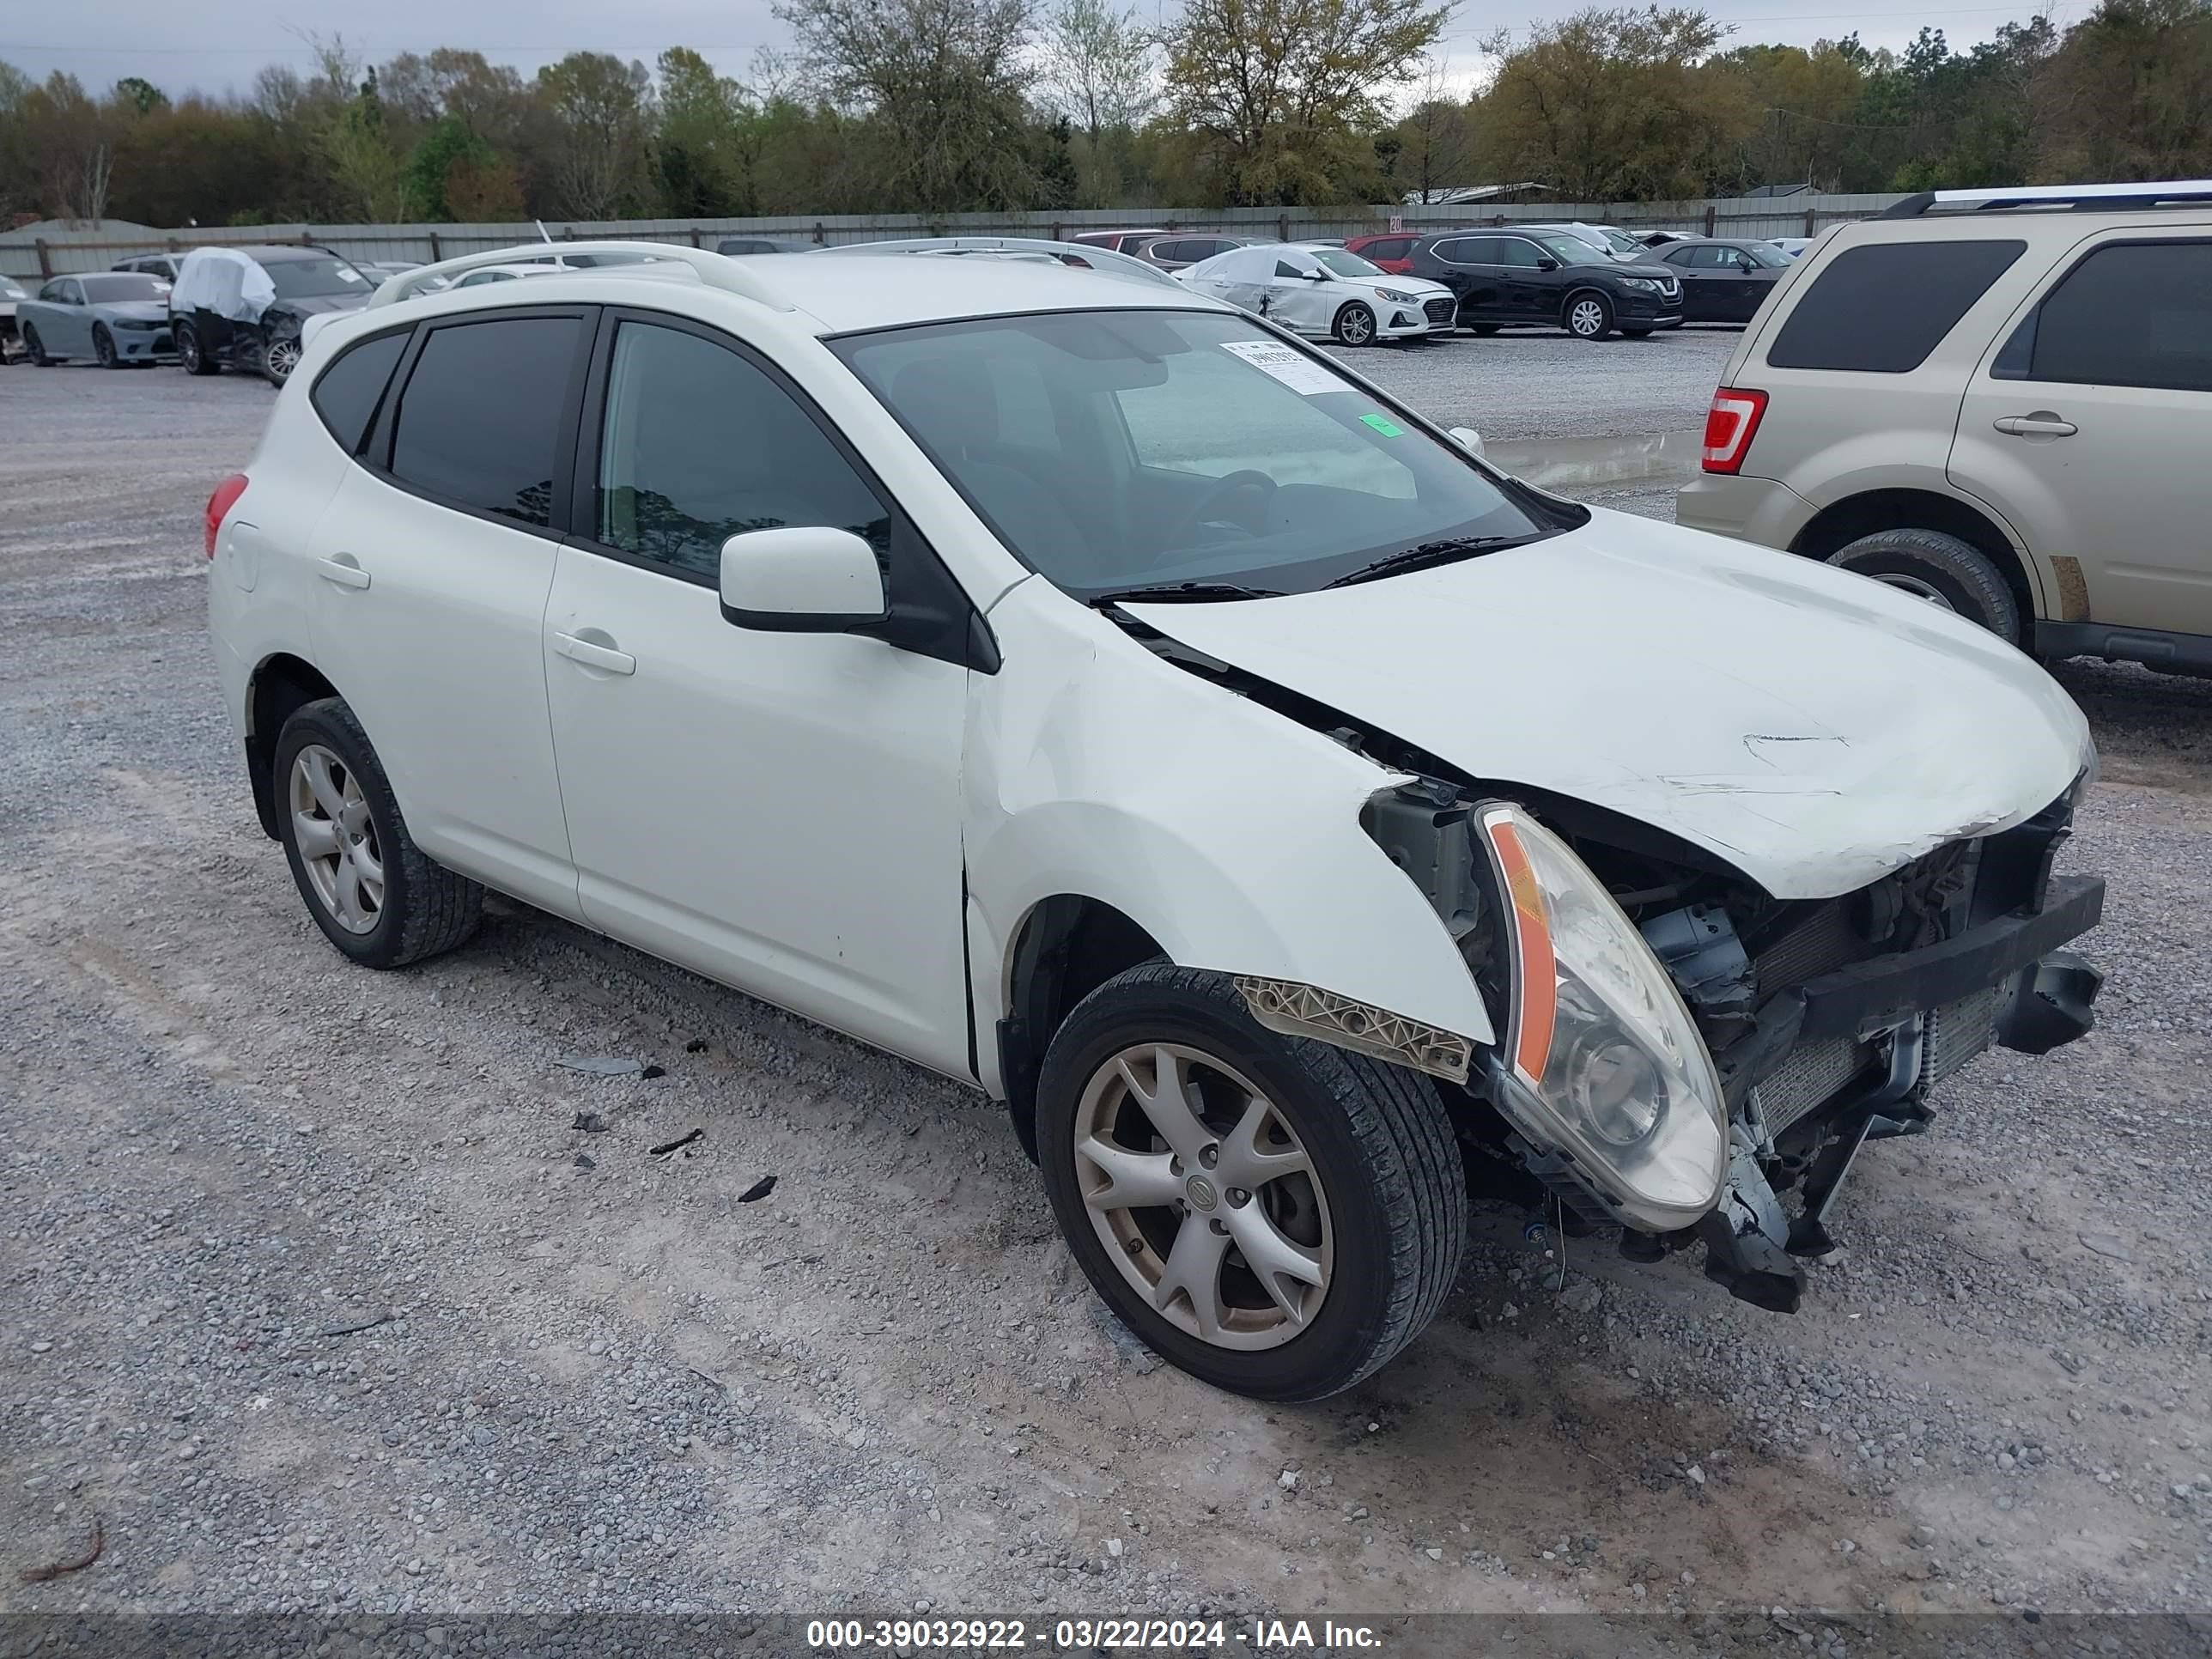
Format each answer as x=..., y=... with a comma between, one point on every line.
x=1619, y=241
x=1119, y=449
x=1338, y=263
x=307, y=279
x=126, y=285
x=1772, y=258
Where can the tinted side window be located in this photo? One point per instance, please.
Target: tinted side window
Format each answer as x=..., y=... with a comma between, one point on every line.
x=1512, y=250
x=2137, y=315
x=349, y=390
x=1685, y=255
x=1883, y=309
x=698, y=444
x=480, y=418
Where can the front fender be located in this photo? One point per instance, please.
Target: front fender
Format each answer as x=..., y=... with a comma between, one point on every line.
x=1227, y=831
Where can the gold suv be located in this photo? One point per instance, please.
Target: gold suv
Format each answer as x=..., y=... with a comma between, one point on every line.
x=1999, y=400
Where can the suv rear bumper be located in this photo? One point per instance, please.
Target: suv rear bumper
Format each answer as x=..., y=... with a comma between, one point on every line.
x=1761, y=510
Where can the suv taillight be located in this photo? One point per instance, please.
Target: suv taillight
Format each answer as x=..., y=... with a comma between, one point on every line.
x=225, y=497
x=1729, y=426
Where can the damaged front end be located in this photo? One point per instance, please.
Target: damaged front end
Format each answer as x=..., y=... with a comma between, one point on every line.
x=1681, y=1052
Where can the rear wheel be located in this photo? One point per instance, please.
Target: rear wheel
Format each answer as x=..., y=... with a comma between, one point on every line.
x=1940, y=568
x=34, y=349
x=191, y=356
x=1354, y=326
x=1589, y=315
x=103, y=347
x=376, y=896
x=1275, y=1216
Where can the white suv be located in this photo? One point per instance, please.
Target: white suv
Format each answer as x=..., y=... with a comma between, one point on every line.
x=1997, y=400
x=1086, y=691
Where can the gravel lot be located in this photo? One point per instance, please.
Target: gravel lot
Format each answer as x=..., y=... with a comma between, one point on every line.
x=316, y=1300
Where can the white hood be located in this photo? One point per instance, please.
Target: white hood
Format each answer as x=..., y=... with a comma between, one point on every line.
x=1813, y=727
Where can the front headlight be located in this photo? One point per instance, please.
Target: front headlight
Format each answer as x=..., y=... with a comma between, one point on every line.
x=1395, y=297
x=1641, y=284
x=1601, y=1061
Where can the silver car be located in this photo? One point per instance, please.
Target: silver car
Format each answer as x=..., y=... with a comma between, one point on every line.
x=112, y=317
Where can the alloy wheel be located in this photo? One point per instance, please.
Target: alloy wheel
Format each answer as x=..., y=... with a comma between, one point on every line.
x=1587, y=317
x=103, y=347
x=337, y=839
x=280, y=359
x=1204, y=1196
x=1358, y=326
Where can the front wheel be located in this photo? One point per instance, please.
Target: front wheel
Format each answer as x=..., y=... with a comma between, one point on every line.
x=1275, y=1216
x=1354, y=326
x=279, y=358
x=35, y=347
x=376, y=896
x=103, y=347
x=1590, y=316
x=1941, y=569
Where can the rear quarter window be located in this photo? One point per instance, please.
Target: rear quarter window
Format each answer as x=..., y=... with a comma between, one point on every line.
x=1882, y=309
x=349, y=390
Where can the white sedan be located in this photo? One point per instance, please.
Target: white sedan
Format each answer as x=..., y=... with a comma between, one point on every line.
x=1315, y=289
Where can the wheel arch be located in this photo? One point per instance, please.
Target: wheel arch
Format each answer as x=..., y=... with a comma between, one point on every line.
x=1065, y=947
x=1567, y=304
x=1841, y=523
x=281, y=684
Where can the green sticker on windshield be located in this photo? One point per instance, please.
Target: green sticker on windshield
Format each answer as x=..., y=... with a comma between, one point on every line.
x=1384, y=424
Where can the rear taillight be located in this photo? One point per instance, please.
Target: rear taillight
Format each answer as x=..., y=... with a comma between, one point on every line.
x=225, y=497
x=1729, y=426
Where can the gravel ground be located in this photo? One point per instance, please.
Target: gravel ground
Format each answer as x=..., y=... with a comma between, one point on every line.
x=317, y=1300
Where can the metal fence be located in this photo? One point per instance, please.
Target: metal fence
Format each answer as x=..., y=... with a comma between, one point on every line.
x=59, y=253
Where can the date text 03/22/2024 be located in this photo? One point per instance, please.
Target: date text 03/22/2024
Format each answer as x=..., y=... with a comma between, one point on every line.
x=1095, y=1635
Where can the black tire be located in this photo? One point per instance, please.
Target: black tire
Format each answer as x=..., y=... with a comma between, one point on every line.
x=191, y=357
x=1588, y=314
x=1354, y=325
x=1940, y=569
x=34, y=349
x=103, y=347
x=1383, y=1153
x=425, y=908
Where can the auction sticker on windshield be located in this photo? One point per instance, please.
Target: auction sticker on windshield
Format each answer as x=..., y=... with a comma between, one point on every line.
x=1293, y=368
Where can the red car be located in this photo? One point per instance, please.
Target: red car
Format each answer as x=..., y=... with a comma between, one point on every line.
x=1391, y=250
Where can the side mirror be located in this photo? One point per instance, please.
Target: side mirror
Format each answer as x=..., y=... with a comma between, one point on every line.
x=803, y=580
x=1547, y=264
x=1467, y=439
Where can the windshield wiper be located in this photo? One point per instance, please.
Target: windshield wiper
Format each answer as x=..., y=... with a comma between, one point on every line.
x=1160, y=592
x=1428, y=553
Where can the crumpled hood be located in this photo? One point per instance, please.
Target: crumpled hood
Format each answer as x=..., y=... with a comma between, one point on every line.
x=1813, y=727
x=312, y=305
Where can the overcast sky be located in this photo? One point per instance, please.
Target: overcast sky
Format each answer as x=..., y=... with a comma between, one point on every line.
x=217, y=45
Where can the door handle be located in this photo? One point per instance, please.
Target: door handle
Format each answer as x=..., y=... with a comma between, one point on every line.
x=2041, y=424
x=593, y=655
x=344, y=571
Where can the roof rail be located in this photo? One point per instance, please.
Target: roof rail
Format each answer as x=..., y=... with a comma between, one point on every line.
x=715, y=269
x=2076, y=198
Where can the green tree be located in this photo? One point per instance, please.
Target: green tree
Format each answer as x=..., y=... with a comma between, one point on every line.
x=1281, y=99
x=2128, y=95
x=597, y=106
x=1611, y=105
x=942, y=83
x=700, y=158
x=142, y=96
x=447, y=144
